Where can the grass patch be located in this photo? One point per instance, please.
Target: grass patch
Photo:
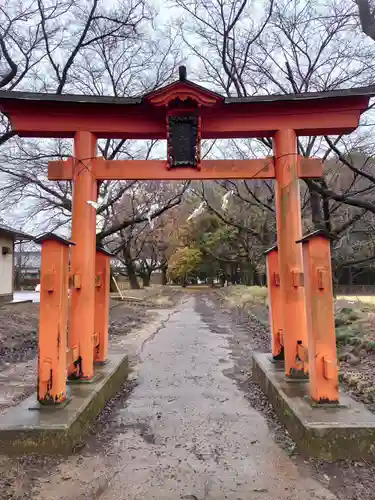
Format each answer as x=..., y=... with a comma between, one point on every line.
x=359, y=299
x=241, y=295
x=344, y=334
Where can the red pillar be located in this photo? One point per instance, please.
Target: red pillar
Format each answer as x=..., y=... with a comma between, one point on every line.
x=275, y=304
x=324, y=382
x=53, y=317
x=81, y=321
x=102, y=285
x=289, y=230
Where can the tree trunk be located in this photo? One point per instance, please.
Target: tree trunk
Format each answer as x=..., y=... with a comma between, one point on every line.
x=112, y=286
x=222, y=278
x=132, y=275
x=164, y=278
x=146, y=278
x=316, y=210
x=327, y=215
x=234, y=275
x=18, y=271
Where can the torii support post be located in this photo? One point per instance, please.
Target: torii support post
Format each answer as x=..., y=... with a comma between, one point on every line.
x=81, y=320
x=53, y=320
x=275, y=304
x=102, y=285
x=289, y=230
x=324, y=382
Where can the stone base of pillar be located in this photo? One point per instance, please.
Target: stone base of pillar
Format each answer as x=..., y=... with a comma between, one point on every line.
x=346, y=431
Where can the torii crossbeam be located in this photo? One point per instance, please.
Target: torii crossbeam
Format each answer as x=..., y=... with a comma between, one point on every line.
x=308, y=168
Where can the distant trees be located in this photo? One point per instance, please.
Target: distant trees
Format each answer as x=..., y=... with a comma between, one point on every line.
x=145, y=245
x=184, y=264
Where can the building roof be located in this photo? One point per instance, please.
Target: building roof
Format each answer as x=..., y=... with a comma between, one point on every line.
x=17, y=234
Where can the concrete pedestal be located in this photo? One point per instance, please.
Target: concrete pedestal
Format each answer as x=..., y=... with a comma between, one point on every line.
x=32, y=428
x=346, y=431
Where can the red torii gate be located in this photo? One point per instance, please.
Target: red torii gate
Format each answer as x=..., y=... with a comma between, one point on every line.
x=184, y=113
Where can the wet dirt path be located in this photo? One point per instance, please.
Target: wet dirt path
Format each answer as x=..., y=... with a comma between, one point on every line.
x=186, y=431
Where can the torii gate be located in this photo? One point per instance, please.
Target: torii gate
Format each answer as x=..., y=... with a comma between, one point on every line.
x=184, y=113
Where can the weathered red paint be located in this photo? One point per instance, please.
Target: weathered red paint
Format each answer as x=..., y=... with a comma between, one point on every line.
x=102, y=285
x=146, y=120
x=53, y=319
x=324, y=383
x=275, y=304
x=262, y=168
x=81, y=324
x=289, y=230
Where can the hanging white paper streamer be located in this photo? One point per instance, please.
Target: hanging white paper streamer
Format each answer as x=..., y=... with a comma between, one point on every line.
x=198, y=211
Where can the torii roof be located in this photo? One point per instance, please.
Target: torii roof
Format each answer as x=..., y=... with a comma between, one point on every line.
x=312, y=113
x=6, y=95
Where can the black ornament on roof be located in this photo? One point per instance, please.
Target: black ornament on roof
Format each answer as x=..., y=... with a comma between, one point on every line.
x=182, y=73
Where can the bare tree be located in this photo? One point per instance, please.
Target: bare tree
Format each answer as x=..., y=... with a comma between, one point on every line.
x=136, y=230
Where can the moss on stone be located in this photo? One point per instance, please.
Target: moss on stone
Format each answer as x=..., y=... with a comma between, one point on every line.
x=325, y=442
x=62, y=440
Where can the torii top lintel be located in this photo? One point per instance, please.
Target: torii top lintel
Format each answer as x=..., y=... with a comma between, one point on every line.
x=317, y=113
x=184, y=90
